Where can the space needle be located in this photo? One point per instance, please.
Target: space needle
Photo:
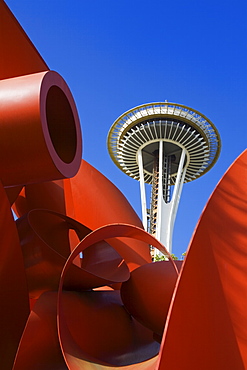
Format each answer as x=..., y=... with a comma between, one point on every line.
x=164, y=145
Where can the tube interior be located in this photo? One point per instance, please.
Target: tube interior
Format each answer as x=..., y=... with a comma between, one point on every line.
x=61, y=124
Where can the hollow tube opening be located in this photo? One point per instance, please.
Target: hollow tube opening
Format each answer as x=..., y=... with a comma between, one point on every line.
x=61, y=124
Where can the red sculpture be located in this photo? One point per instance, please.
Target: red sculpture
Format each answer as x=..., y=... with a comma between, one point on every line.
x=77, y=284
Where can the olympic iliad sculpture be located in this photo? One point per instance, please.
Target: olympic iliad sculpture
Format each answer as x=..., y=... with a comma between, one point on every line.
x=78, y=286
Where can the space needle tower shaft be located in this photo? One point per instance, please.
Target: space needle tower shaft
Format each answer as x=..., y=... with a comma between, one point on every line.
x=164, y=202
x=164, y=145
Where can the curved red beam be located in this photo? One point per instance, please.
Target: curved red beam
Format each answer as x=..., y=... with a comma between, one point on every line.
x=208, y=317
x=73, y=336
x=95, y=201
x=147, y=294
x=44, y=349
x=45, y=238
x=122, y=336
x=91, y=199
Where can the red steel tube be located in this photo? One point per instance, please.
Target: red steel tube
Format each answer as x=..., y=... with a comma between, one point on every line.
x=40, y=135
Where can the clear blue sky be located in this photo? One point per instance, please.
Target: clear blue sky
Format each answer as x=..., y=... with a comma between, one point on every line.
x=117, y=54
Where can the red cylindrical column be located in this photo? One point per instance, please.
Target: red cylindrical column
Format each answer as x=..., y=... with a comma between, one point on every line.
x=40, y=135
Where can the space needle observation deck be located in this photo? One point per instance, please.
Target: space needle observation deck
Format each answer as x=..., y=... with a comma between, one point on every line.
x=165, y=145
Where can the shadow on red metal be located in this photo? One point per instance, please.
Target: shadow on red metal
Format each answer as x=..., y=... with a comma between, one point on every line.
x=45, y=241
x=147, y=294
x=14, y=307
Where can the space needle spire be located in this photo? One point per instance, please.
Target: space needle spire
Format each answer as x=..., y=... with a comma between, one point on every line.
x=165, y=145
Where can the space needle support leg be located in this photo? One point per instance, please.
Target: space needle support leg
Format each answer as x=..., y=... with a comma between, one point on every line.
x=179, y=184
x=180, y=176
x=142, y=190
x=169, y=210
x=160, y=192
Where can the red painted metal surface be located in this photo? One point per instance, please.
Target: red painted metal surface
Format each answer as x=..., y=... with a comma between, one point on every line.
x=102, y=316
x=47, y=137
x=90, y=198
x=39, y=346
x=44, y=195
x=45, y=243
x=101, y=204
x=18, y=54
x=92, y=325
x=208, y=319
x=149, y=302
x=81, y=246
x=14, y=306
x=114, y=338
